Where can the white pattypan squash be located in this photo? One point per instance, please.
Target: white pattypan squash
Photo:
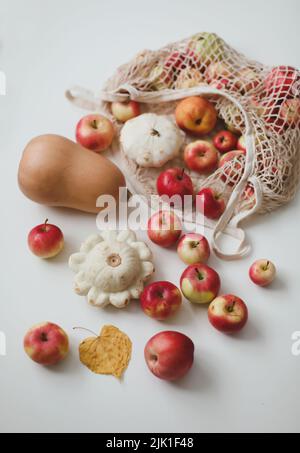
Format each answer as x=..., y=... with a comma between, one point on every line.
x=151, y=140
x=111, y=267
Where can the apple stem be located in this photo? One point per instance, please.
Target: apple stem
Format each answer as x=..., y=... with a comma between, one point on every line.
x=231, y=307
x=45, y=225
x=87, y=330
x=94, y=124
x=180, y=177
x=200, y=276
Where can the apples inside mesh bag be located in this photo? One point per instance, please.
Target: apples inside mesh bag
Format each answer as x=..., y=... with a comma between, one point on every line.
x=251, y=99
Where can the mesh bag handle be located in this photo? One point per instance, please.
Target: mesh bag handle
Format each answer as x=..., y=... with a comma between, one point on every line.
x=227, y=224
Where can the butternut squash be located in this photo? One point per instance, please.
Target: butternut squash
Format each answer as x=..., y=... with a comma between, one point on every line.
x=58, y=172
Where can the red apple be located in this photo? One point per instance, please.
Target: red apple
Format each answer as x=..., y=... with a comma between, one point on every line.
x=45, y=240
x=196, y=115
x=169, y=355
x=281, y=80
x=228, y=313
x=46, y=344
x=290, y=112
x=200, y=283
x=210, y=203
x=95, y=132
x=271, y=116
x=160, y=300
x=262, y=272
x=174, y=181
x=193, y=248
x=164, y=228
x=225, y=141
x=201, y=156
x=241, y=144
x=124, y=111
x=232, y=164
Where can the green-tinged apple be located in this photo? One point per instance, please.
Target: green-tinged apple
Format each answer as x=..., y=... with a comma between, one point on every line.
x=124, y=111
x=200, y=283
x=169, y=355
x=290, y=112
x=241, y=144
x=228, y=313
x=196, y=115
x=208, y=47
x=160, y=300
x=193, y=248
x=262, y=272
x=247, y=80
x=45, y=240
x=201, y=156
x=95, y=132
x=46, y=344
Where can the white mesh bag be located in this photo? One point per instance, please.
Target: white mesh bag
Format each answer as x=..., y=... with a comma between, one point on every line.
x=259, y=102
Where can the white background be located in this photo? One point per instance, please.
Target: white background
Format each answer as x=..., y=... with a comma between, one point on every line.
x=244, y=383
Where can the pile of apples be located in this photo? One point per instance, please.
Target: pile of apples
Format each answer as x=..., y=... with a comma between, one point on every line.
x=198, y=117
x=200, y=284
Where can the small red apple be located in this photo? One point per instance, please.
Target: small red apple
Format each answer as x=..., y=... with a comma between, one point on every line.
x=201, y=156
x=164, y=228
x=45, y=240
x=95, y=132
x=124, y=111
x=225, y=141
x=160, y=300
x=228, y=313
x=262, y=272
x=174, y=181
x=169, y=355
x=200, y=283
x=193, y=248
x=46, y=343
x=210, y=203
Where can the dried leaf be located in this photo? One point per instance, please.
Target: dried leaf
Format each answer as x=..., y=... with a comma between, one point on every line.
x=109, y=353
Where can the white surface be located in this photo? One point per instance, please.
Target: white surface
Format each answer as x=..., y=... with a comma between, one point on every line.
x=247, y=383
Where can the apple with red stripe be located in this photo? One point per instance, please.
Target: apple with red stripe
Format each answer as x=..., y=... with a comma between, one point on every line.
x=201, y=156
x=46, y=344
x=169, y=355
x=290, y=112
x=164, y=228
x=160, y=300
x=95, y=132
x=210, y=203
x=45, y=240
x=200, y=284
x=262, y=272
x=193, y=248
x=228, y=313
